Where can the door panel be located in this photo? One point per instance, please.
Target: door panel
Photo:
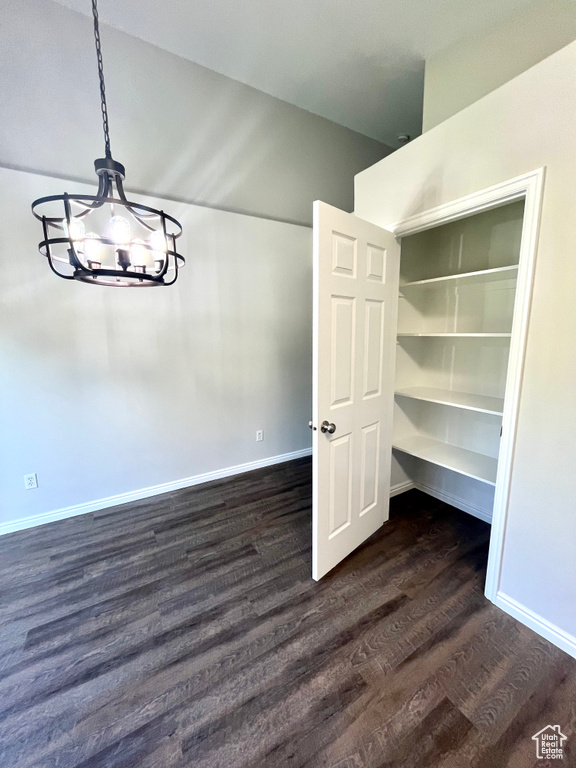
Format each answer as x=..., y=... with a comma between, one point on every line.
x=356, y=267
x=373, y=337
x=370, y=466
x=342, y=350
x=340, y=484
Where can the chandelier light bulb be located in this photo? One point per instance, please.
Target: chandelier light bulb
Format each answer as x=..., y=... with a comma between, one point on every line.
x=76, y=229
x=158, y=242
x=120, y=230
x=92, y=248
x=139, y=253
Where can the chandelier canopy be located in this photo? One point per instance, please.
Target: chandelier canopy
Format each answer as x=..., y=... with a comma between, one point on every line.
x=105, y=239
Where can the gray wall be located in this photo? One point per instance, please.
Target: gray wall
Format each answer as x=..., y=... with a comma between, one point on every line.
x=474, y=66
x=180, y=129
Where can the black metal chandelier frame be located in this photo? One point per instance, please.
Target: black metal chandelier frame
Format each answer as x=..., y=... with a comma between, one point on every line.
x=157, y=264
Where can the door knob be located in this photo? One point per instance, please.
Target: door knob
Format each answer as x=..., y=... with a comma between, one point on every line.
x=311, y=425
x=327, y=427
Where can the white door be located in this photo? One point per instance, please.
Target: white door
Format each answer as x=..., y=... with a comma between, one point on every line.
x=356, y=266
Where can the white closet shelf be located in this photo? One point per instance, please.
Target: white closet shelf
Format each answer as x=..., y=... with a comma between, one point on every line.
x=461, y=335
x=480, y=403
x=469, y=463
x=481, y=276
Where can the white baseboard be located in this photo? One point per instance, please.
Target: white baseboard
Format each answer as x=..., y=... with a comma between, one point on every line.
x=144, y=493
x=455, y=501
x=399, y=488
x=541, y=626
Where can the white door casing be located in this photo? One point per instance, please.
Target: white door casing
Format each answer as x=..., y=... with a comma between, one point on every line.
x=356, y=275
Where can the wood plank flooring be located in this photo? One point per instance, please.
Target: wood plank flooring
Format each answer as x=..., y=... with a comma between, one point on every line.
x=185, y=630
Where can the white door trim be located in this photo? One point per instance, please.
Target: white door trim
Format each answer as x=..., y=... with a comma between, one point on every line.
x=530, y=188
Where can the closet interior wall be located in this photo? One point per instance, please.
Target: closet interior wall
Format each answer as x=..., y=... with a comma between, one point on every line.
x=455, y=313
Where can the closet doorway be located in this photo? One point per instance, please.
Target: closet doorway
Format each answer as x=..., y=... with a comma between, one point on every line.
x=448, y=345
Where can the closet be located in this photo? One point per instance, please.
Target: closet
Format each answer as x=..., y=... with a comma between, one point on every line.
x=420, y=331
x=457, y=291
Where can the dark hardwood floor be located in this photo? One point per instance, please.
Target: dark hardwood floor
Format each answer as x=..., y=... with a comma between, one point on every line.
x=185, y=630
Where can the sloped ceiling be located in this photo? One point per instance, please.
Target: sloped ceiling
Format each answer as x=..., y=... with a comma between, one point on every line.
x=359, y=63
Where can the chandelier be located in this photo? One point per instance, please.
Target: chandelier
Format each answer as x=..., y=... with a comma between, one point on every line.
x=105, y=239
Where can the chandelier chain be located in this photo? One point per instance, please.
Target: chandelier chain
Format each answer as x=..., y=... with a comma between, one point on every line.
x=103, y=104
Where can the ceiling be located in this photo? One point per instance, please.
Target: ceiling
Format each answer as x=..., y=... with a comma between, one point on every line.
x=359, y=63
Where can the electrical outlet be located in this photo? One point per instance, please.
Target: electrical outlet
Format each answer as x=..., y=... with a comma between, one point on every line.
x=259, y=436
x=30, y=481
